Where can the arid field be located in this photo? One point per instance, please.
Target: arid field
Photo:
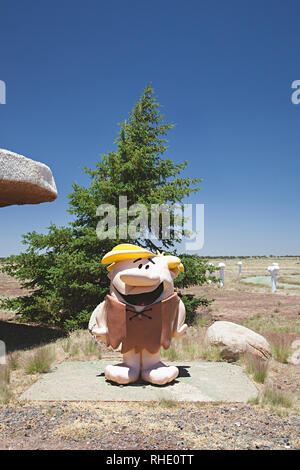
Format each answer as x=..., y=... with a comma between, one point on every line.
x=270, y=422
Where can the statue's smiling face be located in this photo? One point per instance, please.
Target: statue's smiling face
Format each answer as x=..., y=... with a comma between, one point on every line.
x=141, y=281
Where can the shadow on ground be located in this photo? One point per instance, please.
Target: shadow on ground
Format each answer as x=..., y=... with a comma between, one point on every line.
x=18, y=336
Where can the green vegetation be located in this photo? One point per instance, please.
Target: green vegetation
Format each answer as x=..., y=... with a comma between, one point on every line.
x=192, y=347
x=165, y=403
x=14, y=360
x=275, y=397
x=281, y=346
x=264, y=324
x=257, y=367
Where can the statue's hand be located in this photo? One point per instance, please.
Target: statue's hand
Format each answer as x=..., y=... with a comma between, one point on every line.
x=181, y=331
x=99, y=333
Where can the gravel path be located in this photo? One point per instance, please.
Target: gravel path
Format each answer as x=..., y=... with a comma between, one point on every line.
x=145, y=426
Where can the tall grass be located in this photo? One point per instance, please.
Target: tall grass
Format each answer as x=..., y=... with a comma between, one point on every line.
x=192, y=347
x=5, y=393
x=280, y=346
x=275, y=397
x=14, y=360
x=267, y=325
x=257, y=367
x=39, y=361
x=80, y=344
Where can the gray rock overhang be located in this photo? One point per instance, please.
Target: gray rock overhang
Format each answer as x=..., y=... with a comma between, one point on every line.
x=24, y=181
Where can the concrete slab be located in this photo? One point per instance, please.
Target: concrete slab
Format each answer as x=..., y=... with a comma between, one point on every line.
x=197, y=381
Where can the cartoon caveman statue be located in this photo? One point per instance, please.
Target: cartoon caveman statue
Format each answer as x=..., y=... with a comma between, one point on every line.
x=142, y=312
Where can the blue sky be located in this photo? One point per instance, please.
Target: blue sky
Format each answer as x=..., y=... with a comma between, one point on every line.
x=222, y=71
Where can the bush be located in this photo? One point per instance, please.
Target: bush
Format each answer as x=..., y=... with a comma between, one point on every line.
x=191, y=304
x=195, y=269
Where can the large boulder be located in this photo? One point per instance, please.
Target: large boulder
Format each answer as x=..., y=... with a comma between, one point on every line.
x=235, y=340
x=24, y=181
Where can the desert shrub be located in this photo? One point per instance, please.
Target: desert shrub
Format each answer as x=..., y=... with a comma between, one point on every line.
x=280, y=346
x=194, y=274
x=191, y=304
x=39, y=361
x=275, y=397
x=212, y=353
x=14, y=360
x=257, y=367
x=4, y=375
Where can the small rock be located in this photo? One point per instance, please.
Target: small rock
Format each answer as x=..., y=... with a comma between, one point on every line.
x=295, y=344
x=295, y=358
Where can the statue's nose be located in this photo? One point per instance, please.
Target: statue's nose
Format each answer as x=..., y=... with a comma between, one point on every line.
x=139, y=280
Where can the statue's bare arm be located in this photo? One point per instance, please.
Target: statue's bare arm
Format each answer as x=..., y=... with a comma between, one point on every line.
x=98, y=322
x=181, y=326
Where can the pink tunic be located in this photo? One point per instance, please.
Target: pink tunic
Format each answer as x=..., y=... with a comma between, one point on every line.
x=149, y=329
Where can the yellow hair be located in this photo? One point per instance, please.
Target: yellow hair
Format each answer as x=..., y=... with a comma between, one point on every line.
x=174, y=264
x=128, y=251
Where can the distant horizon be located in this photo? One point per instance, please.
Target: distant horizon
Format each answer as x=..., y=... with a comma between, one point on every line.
x=213, y=256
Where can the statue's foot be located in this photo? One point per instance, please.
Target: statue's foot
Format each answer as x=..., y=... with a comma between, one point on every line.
x=122, y=373
x=160, y=374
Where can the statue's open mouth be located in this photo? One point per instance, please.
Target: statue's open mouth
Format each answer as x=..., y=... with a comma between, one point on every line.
x=146, y=298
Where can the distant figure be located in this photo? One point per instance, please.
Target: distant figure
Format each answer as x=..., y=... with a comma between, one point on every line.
x=240, y=268
x=222, y=266
x=273, y=270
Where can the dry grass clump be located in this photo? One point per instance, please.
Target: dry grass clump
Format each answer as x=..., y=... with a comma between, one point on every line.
x=78, y=430
x=257, y=367
x=14, y=360
x=277, y=400
x=276, y=324
x=40, y=360
x=167, y=403
x=280, y=346
x=275, y=397
x=5, y=393
x=192, y=347
x=80, y=345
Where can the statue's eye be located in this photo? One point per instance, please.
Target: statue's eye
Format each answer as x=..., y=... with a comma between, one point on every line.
x=140, y=266
x=147, y=267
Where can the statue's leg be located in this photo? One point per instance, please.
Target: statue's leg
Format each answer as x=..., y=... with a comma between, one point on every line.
x=155, y=371
x=126, y=372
